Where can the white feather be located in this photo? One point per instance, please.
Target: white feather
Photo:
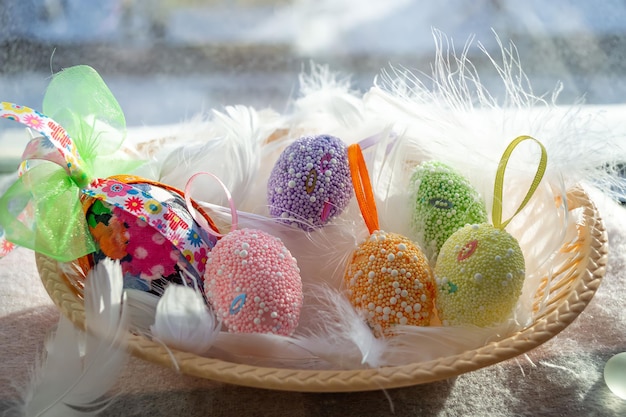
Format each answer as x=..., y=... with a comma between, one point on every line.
x=80, y=368
x=327, y=104
x=450, y=115
x=414, y=344
x=183, y=321
x=142, y=308
x=337, y=337
x=337, y=333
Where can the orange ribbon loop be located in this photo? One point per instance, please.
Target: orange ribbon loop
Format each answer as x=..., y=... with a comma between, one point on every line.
x=363, y=187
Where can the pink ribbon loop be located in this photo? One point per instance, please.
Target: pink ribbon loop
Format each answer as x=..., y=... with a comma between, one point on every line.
x=200, y=219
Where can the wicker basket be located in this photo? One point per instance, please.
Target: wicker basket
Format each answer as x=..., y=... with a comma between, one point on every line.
x=570, y=291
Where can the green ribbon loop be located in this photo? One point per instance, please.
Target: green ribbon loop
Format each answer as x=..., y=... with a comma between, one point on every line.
x=79, y=100
x=42, y=211
x=83, y=126
x=499, y=182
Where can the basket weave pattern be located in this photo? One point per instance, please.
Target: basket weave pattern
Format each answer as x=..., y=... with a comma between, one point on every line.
x=570, y=290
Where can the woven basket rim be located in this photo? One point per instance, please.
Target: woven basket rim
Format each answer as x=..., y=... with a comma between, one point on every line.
x=588, y=273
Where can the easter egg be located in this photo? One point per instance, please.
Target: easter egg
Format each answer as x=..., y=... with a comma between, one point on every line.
x=254, y=284
x=479, y=275
x=390, y=281
x=443, y=202
x=310, y=183
x=147, y=227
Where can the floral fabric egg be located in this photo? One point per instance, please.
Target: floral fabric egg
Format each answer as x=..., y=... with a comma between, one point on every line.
x=254, y=284
x=479, y=276
x=310, y=183
x=391, y=282
x=443, y=202
x=147, y=227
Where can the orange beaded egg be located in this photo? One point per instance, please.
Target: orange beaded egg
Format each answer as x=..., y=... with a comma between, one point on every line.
x=389, y=280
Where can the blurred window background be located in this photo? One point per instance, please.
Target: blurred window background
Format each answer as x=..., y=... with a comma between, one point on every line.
x=167, y=60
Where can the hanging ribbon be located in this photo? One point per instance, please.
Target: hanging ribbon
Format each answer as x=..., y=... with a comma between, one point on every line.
x=201, y=219
x=363, y=187
x=42, y=211
x=499, y=182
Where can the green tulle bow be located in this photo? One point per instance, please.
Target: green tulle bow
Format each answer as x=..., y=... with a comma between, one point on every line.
x=83, y=127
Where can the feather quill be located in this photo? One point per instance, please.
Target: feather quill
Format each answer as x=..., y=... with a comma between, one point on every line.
x=79, y=368
x=142, y=308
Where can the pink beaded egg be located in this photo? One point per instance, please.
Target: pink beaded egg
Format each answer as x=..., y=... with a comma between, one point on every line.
x=253, y=283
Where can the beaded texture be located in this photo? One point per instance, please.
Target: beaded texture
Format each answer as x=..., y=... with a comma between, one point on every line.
x=444, y=201
x=479, y=276
x=254, y=284
x=310, y=183
x=390, y=282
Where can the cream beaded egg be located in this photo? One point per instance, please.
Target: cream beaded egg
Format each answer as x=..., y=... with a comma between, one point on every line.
x=479, y=276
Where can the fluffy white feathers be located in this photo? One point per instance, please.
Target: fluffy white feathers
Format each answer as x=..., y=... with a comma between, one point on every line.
x=228, y=145
x=78, y=368
x=183, y=321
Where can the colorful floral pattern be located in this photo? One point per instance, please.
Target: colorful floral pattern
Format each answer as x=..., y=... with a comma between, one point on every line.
x=117, y=189
x=53, y=132
x=39, y=148
x=152, y=206
x=134, y=204
x=5, y=245
x=147, y=227
x=153, y=237
x=194, y=238
x=202, y=255
x=34, y=121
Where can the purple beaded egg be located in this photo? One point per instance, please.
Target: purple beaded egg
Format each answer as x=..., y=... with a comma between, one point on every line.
x=310, y=183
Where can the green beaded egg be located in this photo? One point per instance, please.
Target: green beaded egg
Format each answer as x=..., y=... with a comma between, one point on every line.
x=479, y=276
x=443, y=202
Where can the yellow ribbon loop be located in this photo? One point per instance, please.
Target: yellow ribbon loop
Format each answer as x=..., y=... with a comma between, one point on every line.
x=499, y=183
